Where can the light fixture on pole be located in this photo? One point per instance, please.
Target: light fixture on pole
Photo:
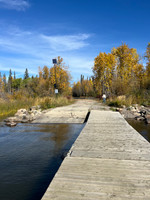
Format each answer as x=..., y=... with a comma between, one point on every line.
x=55, y=85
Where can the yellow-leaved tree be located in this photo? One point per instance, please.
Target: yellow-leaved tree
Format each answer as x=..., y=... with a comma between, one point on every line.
x=127, y=60
x=127, y=67
x=148, y=60
x=104, y=66
x=60, y=76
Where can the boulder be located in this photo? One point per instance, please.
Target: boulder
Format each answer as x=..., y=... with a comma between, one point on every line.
x=127, y=114
x=143, y=113
x=133, y=109
x=11, y=119
x=24, y=121
x=137, y=114
x=21, y=112
x=140, y=118
x=147, y=119
x=11, y=124
x=24, y=116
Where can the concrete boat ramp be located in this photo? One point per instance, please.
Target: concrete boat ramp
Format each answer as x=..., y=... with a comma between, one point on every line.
x=74, y=113
x=108, y=161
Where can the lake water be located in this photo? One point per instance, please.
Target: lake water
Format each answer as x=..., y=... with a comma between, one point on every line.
x=30, y=155
x=141, y=127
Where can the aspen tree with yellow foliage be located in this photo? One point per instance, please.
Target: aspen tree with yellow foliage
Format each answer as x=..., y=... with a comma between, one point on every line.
x=121, y=72
x=104, y=67
x=60, y=76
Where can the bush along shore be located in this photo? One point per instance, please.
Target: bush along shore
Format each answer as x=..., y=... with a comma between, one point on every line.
x=140, y=113
x=28, y=115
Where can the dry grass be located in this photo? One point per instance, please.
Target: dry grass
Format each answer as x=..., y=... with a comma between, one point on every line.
x=10, y=107
x=52, y=102
x=129, y=100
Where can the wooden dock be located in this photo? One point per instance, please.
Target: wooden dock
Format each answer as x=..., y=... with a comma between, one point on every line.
x=108, y=161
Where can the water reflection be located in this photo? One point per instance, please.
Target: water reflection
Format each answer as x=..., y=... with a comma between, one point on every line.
x=141, y=127
x=30, y=155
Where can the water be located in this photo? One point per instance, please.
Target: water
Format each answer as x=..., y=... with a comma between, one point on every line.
x=141, y=127
x=30, y=155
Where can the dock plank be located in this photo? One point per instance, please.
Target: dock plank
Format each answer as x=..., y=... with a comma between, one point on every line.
x=109, y=160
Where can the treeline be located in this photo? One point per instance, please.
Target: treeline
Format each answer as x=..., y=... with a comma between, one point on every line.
x=84, y=87
x=120, y=72
x=41, y=85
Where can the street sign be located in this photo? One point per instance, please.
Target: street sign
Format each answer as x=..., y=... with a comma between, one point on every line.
x=56, y=91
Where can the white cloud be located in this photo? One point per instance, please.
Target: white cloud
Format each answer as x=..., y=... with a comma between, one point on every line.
x=14, y=4
x=26, y=42
x=25, y=49
x=66, y=42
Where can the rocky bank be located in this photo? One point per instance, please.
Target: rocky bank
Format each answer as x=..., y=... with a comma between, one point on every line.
x=24, y=116
x=140, y=113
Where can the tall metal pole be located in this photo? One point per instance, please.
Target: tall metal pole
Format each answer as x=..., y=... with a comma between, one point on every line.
x=55, y=85
x=55, y=76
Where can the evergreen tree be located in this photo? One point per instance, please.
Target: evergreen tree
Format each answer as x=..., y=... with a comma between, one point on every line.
x=14, y=75
x=10, y=82
x=26, y=74
x=0, y=82
x=82, y=78
x=4, y=80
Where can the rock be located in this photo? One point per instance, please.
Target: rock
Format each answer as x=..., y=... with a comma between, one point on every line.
x=32, y=115
x=143, y=113
x=147, y=119
x=119, y=109
x=35, y=112
x=127, y=114
x=137, y=114
x=32, y=108
x=11, y=119
x=11, y=124
x=24, y=116
x=140, y=118
x=21, y=112
x=24, y=121
x=133, y=109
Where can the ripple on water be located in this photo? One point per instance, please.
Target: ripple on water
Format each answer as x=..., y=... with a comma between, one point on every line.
x=30, y=155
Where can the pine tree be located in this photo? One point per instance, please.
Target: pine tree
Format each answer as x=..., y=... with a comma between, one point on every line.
x=14, y=75
x=4, y=80
x=10, y=82
x=0, y=82
x=26, y=74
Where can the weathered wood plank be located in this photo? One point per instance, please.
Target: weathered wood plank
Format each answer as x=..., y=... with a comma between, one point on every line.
x=109, y=160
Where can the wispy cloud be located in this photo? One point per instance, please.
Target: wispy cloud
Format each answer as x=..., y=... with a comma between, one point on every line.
x=20, y=49
x=27, y=42
x=66, y=42
x=14, y=4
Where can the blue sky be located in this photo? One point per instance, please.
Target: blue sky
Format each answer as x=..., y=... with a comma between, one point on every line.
x=32, y=32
